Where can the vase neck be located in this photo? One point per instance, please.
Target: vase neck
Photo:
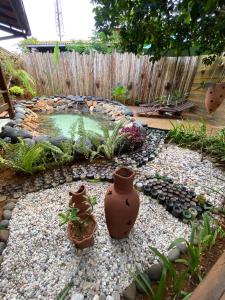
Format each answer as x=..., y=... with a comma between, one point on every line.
x=123, y=180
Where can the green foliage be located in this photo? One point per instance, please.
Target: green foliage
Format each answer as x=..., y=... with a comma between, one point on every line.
x=175, y=97
x=29, y=159
x=64, y=292
x=86, y=139
x=56, y=54
x=22, y=45
x=112, y=140
x=187, y=135
x=201, y=238
x=13, y=71
x=206, y=238
x=120, y=93
x=161, y=28
x=16, y=90
x=146, y=286
x=178, y=280
x=99, y=43
x=70, y=215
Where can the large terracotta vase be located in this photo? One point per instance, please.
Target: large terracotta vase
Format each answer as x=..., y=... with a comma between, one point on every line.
x=121, y=204
x=79, y=201
x=214, y=97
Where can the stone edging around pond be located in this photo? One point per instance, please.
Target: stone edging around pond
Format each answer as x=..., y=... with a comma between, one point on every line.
x=25, y=123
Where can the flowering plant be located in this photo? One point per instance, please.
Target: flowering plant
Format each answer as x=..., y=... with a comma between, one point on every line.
x=134, y=135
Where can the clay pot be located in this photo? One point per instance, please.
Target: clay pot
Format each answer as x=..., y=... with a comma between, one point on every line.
x=214, y=97
x=121, y=204
x=87, y=240
x=79, y=201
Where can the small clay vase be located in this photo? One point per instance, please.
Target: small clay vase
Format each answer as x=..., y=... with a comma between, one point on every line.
x=214, y=97
x=79, y=201
x=121, y=204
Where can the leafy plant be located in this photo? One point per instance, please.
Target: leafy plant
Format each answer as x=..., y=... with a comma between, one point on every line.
x=56, y=54
x=178, y=280
x=120, y=93
x=88, y=141
x=70, y=215
x=28, y=159
x=134, y=136
x=177, y=27
x=111, y=141
x=19, y=76
x=187, y=135
x=16, y=90
x=146, y=286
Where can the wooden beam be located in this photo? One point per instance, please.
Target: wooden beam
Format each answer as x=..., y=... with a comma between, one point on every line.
x=4, y=107
x=6, y=95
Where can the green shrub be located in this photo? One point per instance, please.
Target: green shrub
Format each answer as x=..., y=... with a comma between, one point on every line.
x=16, y=90
x=187, y=135
x=29, y=159
x=120, y=93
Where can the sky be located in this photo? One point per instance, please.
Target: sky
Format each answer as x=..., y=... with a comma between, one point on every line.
x=78, y=20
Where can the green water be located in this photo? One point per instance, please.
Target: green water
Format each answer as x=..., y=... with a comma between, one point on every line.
x=60, y=124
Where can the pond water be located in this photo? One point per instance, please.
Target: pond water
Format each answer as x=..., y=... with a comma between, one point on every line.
x=62, y=123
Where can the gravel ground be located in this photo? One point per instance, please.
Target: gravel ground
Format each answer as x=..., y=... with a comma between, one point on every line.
x=39, y=259
x=185, y=167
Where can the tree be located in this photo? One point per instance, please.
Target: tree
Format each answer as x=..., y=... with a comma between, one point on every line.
x=99, y=43
x=23, y=44
x=163, y=27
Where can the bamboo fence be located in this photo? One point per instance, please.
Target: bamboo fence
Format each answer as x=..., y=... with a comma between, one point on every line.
x=97, y=74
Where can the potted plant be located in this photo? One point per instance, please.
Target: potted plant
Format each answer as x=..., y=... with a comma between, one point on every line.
x=80, y=230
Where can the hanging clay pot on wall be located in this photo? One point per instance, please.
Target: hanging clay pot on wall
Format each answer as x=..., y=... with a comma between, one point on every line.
x=214, y=97
x=121, y=204
x=79, y=201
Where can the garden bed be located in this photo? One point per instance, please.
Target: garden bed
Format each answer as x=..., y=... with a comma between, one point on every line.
x=46, y=260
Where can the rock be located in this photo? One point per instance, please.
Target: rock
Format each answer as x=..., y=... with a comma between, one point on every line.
x=4, y=235
x=77, y=296
x=2, y=247
x=2, y=198
x=127, y=112
x=41, y=138
x=11, y=123
x=58, y=140
x=109, y=298
x=130, y=292
x=29, y=142
x=15, y=133
x=1, y=259
x=4, y=223
x=182, y=248
x=139, y=186
x=155, y=272
x=173, y=254
x=19, y=109
x=19, y=116
x=101, y=297
x=7, y=214
x=9, y=206
x=116, y=296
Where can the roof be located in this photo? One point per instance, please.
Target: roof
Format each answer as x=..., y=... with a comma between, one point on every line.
x=13, y=19
x=54, y=43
